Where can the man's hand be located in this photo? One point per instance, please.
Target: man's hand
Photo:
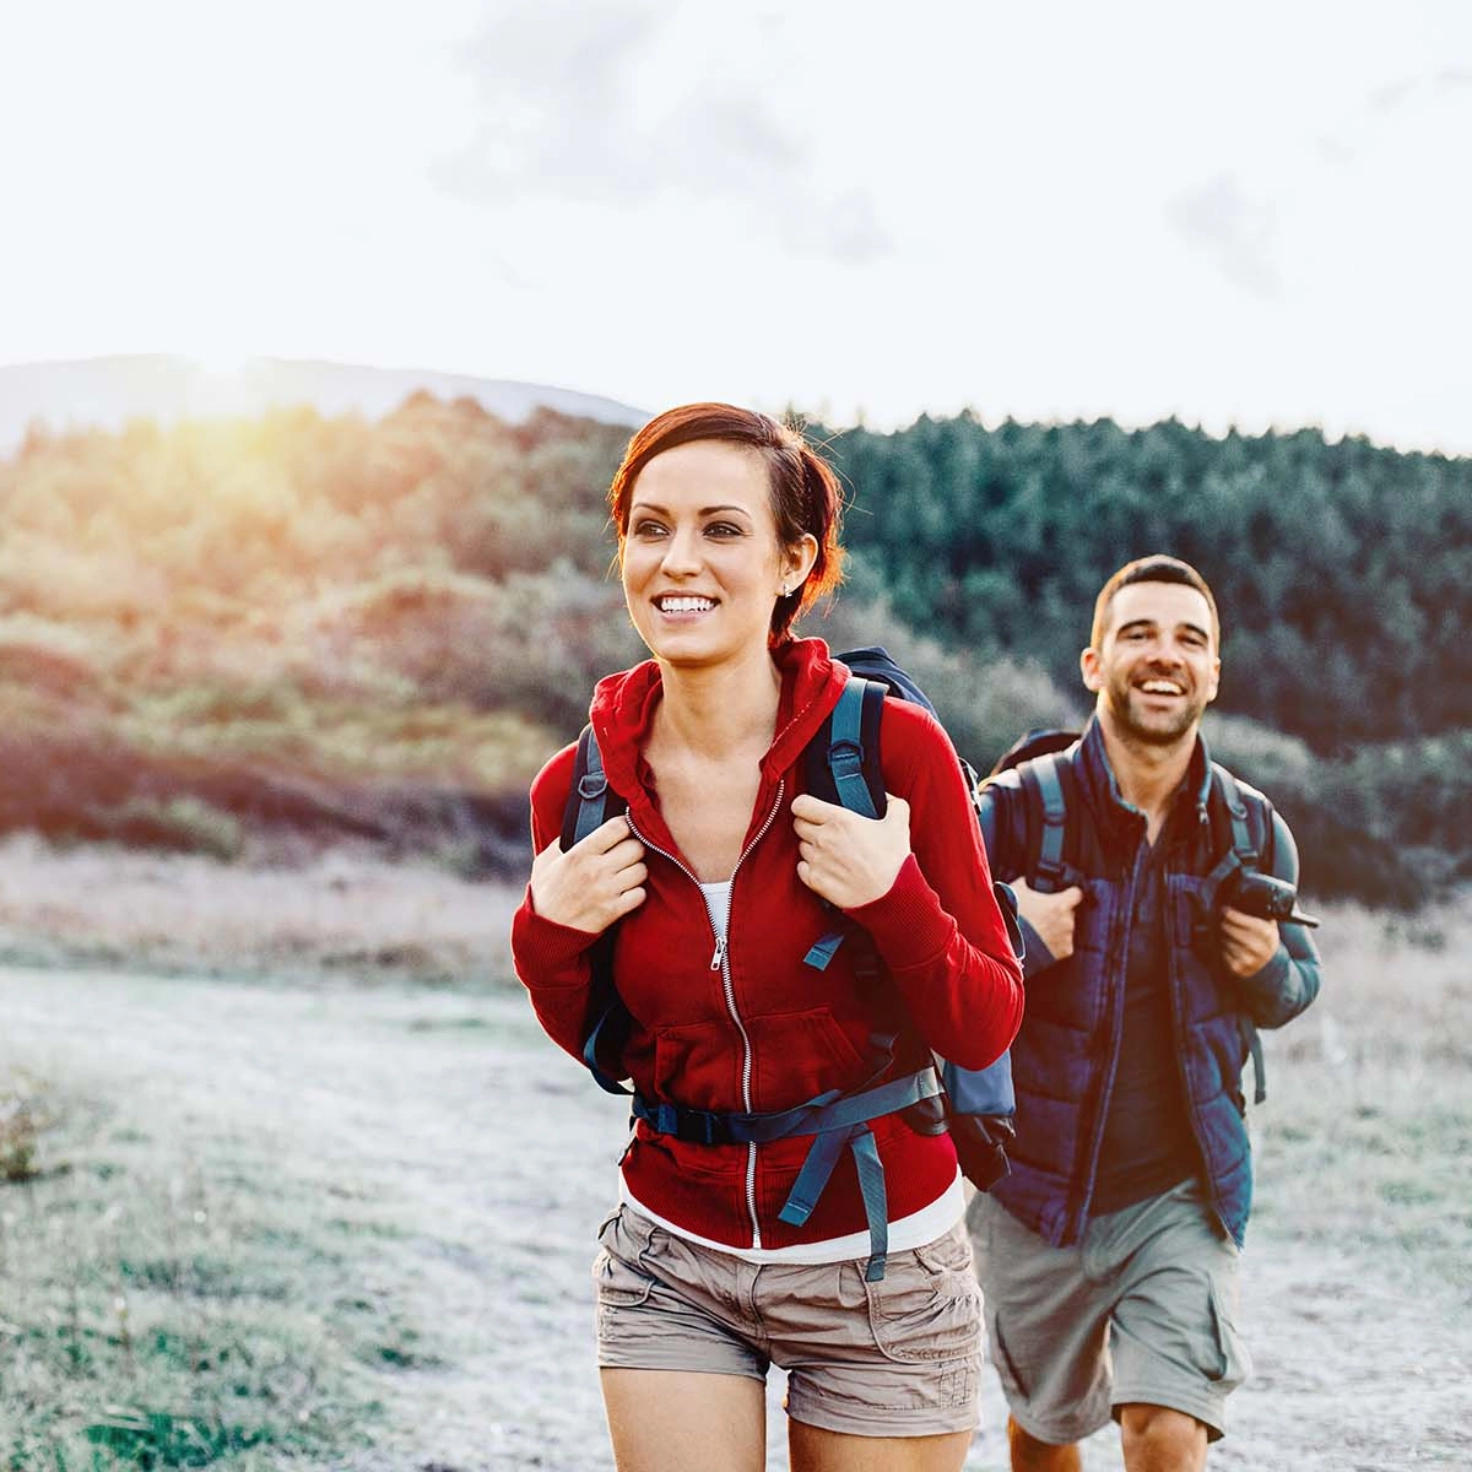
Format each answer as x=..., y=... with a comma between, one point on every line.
x=594, y=883
x=1051, y=915
x=847, y=859
x=1248, y=942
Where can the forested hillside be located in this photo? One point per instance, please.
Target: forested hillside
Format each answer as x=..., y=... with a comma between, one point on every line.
x=252, y=636
x=1343, y=572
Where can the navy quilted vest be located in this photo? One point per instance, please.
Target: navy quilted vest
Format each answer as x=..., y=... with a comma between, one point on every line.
x=1063, y=1061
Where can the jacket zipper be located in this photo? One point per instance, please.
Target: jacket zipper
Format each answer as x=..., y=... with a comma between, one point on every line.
x=721, y=961
x=1115, y=988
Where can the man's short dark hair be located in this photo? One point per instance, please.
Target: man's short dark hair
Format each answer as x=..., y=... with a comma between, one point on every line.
x=1157, y=568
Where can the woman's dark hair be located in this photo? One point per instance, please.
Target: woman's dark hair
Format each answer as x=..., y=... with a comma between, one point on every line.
x=805, y=493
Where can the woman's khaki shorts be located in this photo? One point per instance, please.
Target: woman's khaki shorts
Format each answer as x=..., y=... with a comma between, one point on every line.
x=900, y=1357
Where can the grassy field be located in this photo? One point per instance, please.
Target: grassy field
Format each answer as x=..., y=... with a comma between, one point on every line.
x=298, y=1203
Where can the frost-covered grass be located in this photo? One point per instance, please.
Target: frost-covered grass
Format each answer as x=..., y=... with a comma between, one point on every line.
x=1367, y=1133
x=266, y=1225
x=172, y=1298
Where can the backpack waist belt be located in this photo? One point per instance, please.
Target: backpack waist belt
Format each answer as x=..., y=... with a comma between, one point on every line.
x=836, y=1120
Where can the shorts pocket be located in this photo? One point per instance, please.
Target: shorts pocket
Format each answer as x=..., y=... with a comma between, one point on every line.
x=1231, y=1363
x=620, y=1277
x=1012, y=1382
x=948, y=1254
x=618, y=1284
x=924, y=1310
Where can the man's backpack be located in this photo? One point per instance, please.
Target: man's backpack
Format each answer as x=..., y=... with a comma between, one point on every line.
x=842, y=765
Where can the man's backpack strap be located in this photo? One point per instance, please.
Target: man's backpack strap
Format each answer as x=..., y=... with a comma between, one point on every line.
x=1247, y=852
x=1042, y=778
x=1243, y=854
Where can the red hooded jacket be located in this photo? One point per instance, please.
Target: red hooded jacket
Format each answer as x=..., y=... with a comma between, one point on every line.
x=764, y=1031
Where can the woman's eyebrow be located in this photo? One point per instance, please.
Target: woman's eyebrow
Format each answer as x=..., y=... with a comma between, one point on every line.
x=704, y=510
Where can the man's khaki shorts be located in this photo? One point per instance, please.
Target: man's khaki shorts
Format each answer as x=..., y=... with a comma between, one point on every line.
x=900, y=1357
x=1141, y=1310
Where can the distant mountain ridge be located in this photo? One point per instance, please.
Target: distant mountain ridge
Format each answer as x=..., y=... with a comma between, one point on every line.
x=105, y=393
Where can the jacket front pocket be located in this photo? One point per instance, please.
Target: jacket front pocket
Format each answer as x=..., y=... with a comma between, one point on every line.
x=797, y=1055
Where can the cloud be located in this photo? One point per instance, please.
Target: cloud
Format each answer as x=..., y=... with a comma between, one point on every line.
x=1236, y=217
x=609, y=104
x=1237, y=228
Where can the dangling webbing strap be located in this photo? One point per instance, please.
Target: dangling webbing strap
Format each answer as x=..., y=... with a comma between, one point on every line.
x=837, y=1121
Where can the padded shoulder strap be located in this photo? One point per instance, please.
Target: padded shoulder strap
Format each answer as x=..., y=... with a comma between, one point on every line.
x=591, y=802
x=843, y=758
x=846, y=750
x=1225, y=785
x=1041, y=779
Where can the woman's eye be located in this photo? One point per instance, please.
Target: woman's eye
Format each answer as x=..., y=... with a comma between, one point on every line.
x=648, y=528
x=722, y=529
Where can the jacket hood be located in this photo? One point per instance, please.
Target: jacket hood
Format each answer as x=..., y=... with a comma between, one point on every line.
x=623, y=707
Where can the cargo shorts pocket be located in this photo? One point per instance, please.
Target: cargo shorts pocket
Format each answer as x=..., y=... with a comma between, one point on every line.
x=1012, y=1381
x=928, y=1304
x=1230, y=1364
x=620, y=1278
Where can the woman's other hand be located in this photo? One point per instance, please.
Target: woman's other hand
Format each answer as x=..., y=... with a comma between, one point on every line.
x=847, y=859
x=596, y=882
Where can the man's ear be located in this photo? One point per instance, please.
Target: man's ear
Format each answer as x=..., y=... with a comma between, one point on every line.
x=1216, y=680
x=1088, y=663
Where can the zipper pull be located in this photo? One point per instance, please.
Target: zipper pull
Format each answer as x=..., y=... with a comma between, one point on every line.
x=720, y=955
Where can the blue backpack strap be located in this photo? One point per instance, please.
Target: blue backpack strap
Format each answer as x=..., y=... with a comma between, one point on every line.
x=1041, y=778
x=1243, y=854
x=852, y=761
x=843, y=766
x=591, y=802
x=837, y=1122
x=1225, y=785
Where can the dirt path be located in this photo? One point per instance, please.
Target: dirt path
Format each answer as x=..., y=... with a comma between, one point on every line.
x=487, y=1160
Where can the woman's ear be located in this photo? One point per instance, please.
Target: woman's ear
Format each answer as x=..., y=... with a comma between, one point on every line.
x=798, y=560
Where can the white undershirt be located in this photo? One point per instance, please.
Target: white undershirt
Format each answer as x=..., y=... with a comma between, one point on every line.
x=915, y=1230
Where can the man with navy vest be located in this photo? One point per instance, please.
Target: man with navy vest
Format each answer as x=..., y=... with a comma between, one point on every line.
x=1109, y=1255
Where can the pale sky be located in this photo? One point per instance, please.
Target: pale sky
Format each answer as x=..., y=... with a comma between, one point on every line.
x=1251, y=213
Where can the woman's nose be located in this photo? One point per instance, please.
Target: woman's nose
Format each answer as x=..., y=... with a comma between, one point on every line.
x=682, y=552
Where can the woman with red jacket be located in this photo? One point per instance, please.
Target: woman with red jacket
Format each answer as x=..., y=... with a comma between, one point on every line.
x=784, y=1198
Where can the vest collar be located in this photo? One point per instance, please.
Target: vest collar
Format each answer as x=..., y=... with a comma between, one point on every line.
x=1102, y=788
